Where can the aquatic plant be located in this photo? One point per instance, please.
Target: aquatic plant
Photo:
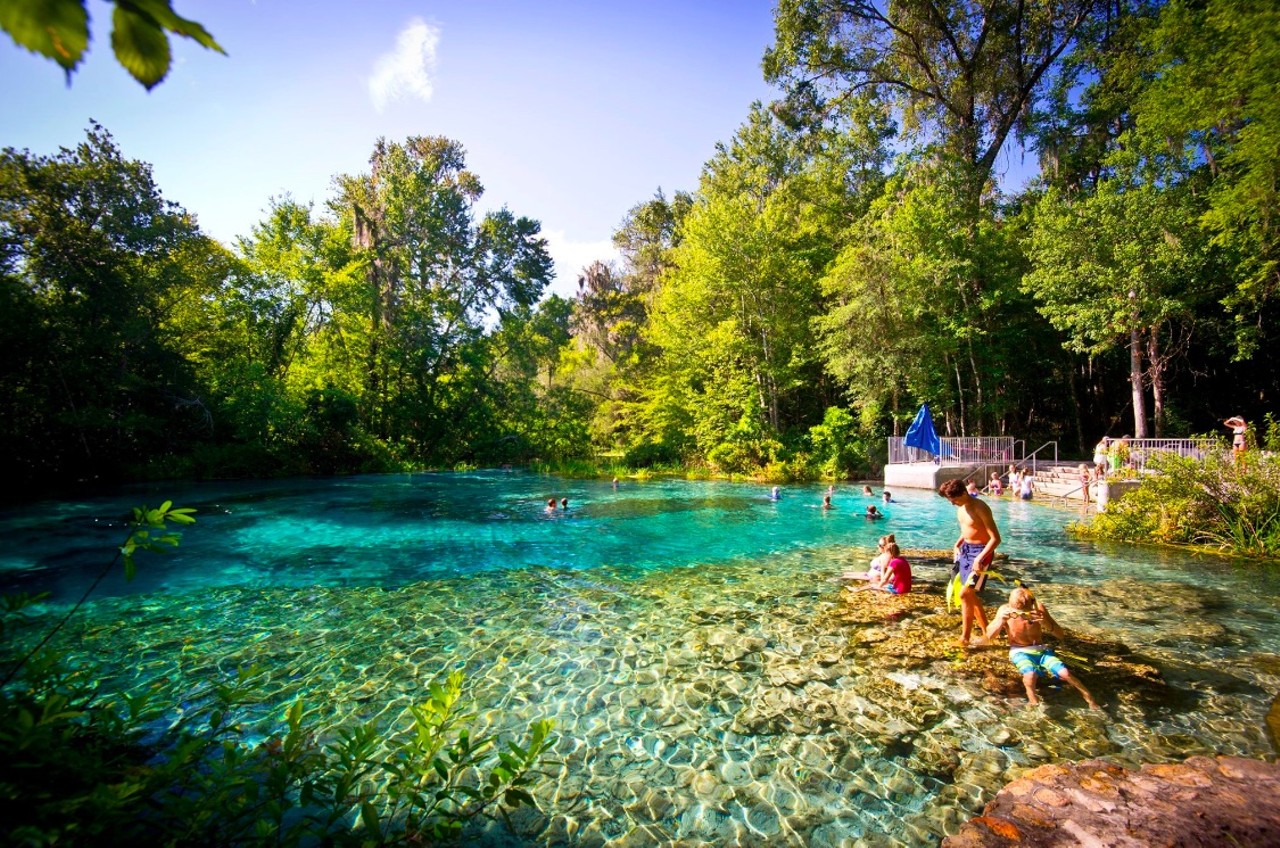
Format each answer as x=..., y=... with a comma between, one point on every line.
x=80, y=764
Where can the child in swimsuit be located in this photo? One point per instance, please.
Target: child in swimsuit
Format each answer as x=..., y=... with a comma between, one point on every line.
x=877, y=564
x=895, y=577
x=1027, y=619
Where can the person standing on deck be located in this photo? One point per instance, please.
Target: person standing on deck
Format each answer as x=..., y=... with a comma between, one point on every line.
x=1238, y=429
x=975, y=549
x=1100, y=452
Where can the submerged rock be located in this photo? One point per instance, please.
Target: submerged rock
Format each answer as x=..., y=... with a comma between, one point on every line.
x=1202, y=801
x=900, y=635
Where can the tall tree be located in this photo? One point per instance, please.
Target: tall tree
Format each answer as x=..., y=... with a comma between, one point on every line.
x=733, y=315
x=436, y=275
x=1207, y=99
x=963, y=73
x=903, y=325
x=962, y=77
x=94, y=261
x=1116, y=267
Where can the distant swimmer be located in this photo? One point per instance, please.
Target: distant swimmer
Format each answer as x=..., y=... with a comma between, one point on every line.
x=873, y=513
x=775, y=494
x=866, y=490
x=551, y=504
x=564, y=503
x=826, y=502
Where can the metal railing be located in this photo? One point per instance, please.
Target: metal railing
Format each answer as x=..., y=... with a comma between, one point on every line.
x=1032, y=456
x=971, y=450
x=1134, y=453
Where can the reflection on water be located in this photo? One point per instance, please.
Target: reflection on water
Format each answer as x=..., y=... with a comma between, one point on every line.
x=683, y=635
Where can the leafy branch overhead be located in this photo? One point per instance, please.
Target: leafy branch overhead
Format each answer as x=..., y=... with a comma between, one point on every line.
x=59, y=30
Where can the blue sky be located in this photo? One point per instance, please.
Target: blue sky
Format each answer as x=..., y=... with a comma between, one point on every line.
x=570, y=112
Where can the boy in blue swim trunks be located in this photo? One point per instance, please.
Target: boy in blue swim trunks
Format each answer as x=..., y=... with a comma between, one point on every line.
x=1027, y=619
x=975, y=549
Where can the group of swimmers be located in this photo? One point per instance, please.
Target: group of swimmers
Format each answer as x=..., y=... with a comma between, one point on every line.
x=1021, y=483
x=872, y=513
x=1024, y=618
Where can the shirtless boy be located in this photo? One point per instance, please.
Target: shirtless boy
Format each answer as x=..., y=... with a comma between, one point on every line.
x=1027, y=619
x=974, y=551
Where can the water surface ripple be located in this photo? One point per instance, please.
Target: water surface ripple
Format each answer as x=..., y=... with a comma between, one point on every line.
x=683, y=635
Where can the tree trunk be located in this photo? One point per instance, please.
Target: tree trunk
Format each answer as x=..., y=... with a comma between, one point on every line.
x=1075, y=409
x=959, y=394
x=1135, y=382
x=1157, y=363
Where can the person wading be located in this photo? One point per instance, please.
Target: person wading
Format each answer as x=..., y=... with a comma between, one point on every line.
x=975, y=549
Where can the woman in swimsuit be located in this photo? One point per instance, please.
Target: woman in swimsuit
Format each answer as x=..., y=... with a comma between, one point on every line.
x=1238, y=429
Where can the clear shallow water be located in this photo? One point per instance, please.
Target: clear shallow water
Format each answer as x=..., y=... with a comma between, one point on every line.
x=685, y=635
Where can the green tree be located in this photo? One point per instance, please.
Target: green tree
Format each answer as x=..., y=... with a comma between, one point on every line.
x=732, y=317
x=95, y=263
x=904, y=324
x=1116, y=267
x=610, y=357
x=436, y=275
x=962, y=78
x=964, y=72
x=1207, y=99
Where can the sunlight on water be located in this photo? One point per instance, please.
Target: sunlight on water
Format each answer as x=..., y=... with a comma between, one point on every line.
x=687, y=637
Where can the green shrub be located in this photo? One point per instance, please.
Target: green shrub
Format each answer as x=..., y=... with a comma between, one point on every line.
x=650, y=455
x=838, y=450
x=1216, y=501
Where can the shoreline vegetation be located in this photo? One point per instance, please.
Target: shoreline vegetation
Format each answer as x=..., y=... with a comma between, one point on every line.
x=1218, y=504
x=849, y=253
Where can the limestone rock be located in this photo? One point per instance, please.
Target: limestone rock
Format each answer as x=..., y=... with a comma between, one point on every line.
x=1203, y=801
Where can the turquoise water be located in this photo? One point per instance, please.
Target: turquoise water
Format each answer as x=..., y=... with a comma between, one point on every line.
x=685, y=636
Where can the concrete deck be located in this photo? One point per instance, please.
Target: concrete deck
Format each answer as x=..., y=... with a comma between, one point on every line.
x=921, y=475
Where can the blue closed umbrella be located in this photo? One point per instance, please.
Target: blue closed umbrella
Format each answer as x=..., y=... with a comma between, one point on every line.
x=921, y=433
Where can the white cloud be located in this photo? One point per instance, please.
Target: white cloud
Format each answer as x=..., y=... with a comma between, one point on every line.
x=572, y=256
x=406, y=71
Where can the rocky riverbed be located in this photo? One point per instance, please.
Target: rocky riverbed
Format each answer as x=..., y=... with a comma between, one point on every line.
x=757, y=702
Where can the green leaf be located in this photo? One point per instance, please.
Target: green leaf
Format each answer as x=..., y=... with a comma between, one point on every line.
x=369, y=816
x=161, y=11
x=516, y=797
x=140, y=46
x=57, y=29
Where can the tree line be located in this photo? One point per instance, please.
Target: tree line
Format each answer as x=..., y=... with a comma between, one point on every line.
x=851, y=252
